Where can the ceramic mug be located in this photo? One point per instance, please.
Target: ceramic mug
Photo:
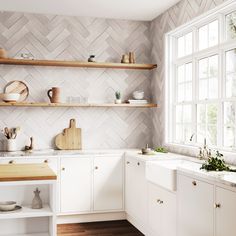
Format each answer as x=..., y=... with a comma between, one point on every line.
x=54, y=94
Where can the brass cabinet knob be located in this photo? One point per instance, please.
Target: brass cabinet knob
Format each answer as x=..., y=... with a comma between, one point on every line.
x=63, y=168
x=11, y=162
x=160, y=201
x=217, y=205
x=127, y=162
x=194, y=183
x=138, y=163
x=96, y=167
x=45, y=161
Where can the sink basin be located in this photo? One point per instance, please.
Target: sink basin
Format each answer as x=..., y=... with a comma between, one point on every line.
x=163, y=173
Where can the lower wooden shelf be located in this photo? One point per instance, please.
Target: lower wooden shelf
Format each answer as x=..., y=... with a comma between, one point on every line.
x=31, y=104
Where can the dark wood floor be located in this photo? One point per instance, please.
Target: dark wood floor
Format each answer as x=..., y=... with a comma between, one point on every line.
x=108, y=228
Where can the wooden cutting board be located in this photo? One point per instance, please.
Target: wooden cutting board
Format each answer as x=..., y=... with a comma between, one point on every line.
x=70, y=138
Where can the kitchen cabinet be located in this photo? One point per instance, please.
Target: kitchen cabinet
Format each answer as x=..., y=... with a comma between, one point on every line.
x=136, y=191
x=225, y=210
x=161, y=211
x=195, y=207
x=108, y=183
x=75, y=186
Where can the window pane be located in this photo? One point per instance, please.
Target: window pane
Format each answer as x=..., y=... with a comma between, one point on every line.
x=231, y=25
x=188, y=43
x=187, y=114
x=203, y=37
x=208, y=35
x=211, y=114
x=181, y=46
x=201, y=114
x=229, y=136
x=229, y=124
x=179, y=117
x=203, y=68
x=181, y=75
x=230, y=87
x=188, y=72
x=203, y=89
x=229, y=114
x=208, y=75
x=185, y=45
x=207, y=123
x=213, y=88
x=212, y=134
x=213, y=66
x=213, y=33
x=188, y=91
x=181, y=91
x=178, y=133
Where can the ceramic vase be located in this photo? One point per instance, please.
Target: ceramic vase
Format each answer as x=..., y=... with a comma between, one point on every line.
x=37, y=201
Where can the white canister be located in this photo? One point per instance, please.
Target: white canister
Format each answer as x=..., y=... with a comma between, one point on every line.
x=11, y=145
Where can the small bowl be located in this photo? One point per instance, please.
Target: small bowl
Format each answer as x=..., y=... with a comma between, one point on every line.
x=7, y=206
x=138, y=95
x=10, y=97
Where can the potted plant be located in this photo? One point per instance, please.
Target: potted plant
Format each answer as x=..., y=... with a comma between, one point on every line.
x=118, y=97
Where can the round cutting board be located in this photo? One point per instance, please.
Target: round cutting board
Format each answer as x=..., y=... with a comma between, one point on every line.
x=17, y=86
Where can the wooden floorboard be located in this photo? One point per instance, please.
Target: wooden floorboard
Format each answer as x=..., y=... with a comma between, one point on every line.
x=105, y=228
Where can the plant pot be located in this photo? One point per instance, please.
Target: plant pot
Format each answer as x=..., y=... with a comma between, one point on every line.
x=11, y=145
x=118, y=101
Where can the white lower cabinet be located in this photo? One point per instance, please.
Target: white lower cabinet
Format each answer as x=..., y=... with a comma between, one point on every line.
x=161, y=211
x=195, y=207
x=91, y=184
x=75, y=186
x=225, y=210
x=108, y=183
x=136, y=192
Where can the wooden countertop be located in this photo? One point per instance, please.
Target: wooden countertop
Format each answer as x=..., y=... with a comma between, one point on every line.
x=26, y=172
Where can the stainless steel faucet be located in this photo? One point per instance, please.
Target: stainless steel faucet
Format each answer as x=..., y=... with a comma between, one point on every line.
x=205, y=152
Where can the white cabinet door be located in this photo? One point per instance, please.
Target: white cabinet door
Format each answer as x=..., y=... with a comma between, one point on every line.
x=136, y=190
x=225, y=212
x=108, y=183
x=76, y=178
x=154, y=210
x=195, y=207
x=162, y=218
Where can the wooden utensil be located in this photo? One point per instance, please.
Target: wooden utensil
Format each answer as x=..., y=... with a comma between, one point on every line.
x=17, y=86
x=70, y=139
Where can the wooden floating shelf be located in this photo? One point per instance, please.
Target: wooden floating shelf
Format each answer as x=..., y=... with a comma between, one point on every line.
x=12, y=61
x=7, y=104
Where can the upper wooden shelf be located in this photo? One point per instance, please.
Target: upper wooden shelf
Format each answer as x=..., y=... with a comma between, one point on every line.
x=31, y=104
x=12, y=61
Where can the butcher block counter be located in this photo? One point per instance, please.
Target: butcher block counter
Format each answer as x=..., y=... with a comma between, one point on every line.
x=26, y=172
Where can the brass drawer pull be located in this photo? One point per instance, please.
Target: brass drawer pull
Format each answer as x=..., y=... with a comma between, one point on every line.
x=217, y=205
x=138, y=163
x=96, y=167
x=127, y=162
x=63, y=168
x=11, y=162
x=45, y=161
x=194, y=183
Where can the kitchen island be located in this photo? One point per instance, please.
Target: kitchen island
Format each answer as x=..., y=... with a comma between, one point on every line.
x=18, y=183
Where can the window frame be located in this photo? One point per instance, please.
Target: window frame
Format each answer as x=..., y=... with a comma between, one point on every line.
x=172, y=62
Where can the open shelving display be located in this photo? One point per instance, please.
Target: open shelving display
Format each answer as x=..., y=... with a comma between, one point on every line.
x=32, y=104
x=111, y=65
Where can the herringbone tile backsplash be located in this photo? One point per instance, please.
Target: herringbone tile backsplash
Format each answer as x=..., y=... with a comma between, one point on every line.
x=62, y=37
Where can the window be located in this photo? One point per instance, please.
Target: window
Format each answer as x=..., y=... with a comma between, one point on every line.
x=201, y=86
